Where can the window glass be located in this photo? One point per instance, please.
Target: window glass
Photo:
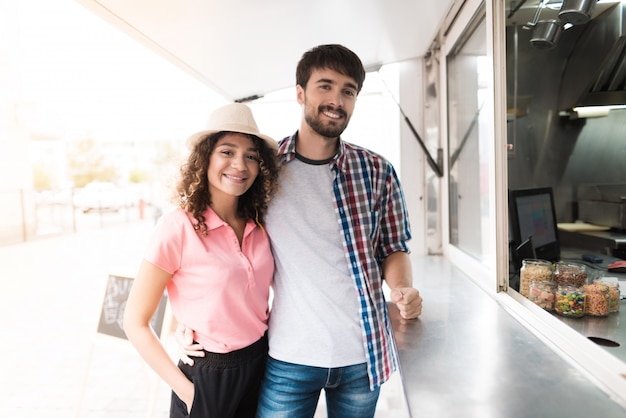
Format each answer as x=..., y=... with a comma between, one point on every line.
x=470, y=142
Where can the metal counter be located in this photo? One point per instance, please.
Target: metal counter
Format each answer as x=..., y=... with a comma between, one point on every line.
x=467, y=356
x=607, y=329
x=612, y=327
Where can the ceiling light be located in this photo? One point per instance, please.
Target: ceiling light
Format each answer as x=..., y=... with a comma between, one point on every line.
x=590, y=111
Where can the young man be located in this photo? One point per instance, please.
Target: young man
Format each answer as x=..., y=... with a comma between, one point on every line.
x=338, y=226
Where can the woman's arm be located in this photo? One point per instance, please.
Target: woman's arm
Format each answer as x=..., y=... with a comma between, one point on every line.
x=143, y=301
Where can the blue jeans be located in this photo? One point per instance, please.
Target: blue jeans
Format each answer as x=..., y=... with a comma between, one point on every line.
x=291, y=390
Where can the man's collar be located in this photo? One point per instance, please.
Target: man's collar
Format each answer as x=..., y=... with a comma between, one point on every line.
x=287, y=148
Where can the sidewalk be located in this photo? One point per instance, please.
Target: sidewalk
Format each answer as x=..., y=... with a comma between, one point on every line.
x=54, y=364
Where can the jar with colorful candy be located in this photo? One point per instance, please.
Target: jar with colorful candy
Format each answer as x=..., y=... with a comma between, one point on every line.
x=542, y=294
x=570, y=301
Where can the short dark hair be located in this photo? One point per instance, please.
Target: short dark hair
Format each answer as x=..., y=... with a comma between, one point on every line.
x=334, y=57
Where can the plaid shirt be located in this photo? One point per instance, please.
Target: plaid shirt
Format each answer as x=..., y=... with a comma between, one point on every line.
x=372, y=215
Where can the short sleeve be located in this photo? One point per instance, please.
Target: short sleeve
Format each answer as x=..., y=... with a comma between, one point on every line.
x=166, y=244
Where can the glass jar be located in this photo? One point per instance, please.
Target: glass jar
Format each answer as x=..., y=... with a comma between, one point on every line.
x=533, y=269
x=542, y=294
x=597, y=299
x=570, y=301
x=614, y=297
x=570, y=274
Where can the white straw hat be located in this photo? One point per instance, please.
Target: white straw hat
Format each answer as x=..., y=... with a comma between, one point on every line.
x=234, y=117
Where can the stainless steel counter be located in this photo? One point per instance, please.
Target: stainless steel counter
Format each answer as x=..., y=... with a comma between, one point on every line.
x=610, y=329
x=468, y=357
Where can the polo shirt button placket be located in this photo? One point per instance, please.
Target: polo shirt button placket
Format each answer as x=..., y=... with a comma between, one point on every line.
x=249, y=271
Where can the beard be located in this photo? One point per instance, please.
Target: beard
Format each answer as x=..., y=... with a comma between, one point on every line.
x=328, y=129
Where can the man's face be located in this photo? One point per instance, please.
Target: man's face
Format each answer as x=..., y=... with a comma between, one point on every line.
x=328, y=102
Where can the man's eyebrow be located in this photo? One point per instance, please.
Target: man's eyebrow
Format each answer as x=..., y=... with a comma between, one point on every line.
x=329, y=81
x=326, y=80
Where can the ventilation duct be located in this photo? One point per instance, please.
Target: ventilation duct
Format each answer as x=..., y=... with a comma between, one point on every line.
x=595, y=74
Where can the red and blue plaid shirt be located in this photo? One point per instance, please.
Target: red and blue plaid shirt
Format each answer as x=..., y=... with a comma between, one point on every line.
x=372, y=216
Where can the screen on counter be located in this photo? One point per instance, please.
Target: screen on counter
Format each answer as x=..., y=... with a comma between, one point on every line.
x=532, y=215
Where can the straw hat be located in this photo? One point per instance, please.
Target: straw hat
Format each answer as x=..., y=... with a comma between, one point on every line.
x=234, y=117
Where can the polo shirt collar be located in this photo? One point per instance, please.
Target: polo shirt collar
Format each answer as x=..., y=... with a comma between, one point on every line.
x=214, y=222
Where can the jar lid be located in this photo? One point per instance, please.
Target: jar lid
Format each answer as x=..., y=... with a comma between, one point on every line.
x=597, y=286
x=537, y=261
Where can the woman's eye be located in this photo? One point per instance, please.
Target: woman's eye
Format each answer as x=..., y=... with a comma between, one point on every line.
x=253, y=157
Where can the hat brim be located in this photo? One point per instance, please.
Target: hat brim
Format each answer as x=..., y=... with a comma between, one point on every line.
x=198, y=136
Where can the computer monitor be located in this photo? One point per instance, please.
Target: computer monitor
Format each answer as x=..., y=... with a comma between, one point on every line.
x=532, y=216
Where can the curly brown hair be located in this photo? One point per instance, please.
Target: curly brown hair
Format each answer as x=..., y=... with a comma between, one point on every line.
x=193, y=187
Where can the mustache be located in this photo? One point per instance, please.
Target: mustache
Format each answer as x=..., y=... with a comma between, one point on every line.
x=338, y=110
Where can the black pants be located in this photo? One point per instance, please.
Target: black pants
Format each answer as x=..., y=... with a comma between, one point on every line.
x=225, y=385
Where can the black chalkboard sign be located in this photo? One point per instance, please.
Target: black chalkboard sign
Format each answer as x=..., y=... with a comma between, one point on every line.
x=114, y=303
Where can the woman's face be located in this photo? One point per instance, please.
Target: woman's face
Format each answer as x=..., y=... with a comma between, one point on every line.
x=233, y=166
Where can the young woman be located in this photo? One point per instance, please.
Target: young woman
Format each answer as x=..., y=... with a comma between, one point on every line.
x=213, y=257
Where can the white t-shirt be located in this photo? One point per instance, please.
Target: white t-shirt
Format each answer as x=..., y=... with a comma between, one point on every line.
x=314, y=319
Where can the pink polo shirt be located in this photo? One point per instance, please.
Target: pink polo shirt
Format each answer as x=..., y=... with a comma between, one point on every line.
x=217, y=289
